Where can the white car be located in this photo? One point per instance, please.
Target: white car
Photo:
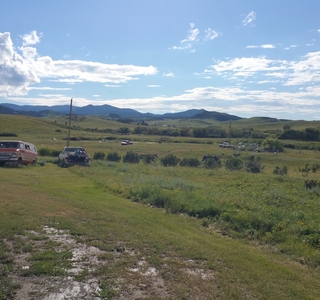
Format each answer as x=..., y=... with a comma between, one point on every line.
x=126, y=142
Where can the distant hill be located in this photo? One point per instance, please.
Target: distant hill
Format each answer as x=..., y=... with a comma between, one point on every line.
x=215, y=115
x=182, y=115
x=109, y=110
x=6, y=110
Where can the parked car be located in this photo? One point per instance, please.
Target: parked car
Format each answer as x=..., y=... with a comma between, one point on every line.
x=226, y=145
x=126, y=142
x=17, y=152
x=74, y=155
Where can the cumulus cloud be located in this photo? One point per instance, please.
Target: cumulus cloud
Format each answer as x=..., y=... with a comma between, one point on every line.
x=249, y=18
x=234, y=100
x=19, y=71
x=292, y=73
x=305, y=71
x=248, y=66
x=31, y=38
x=16, y=72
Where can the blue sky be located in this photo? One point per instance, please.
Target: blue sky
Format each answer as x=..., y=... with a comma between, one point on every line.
x=247, y=58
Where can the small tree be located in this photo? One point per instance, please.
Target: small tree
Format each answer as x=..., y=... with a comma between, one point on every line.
x=170, y=160
x=190, y=162
x=273, y=145
x=131, y=157
x=280, y=171
x=113, y=156
x=99, y=155
x=44, y=152
x=149, y=158
x=212, y=163
x=254, y=164
x=233, y=163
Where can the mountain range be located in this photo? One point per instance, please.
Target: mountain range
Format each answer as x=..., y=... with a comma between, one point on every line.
x=109, y=110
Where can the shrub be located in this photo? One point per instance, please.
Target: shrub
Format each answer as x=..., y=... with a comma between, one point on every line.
x=273, y=145
x=149, y=158
x=55, y=152
x=305, y=170
x=131, y=157
x=113, y=156
x=254, y=164
x=280, y=171
x=190, y=162
x=233, y=163
x=8, y=134
x=44, y=152
x=212, y=163
x=170, y=160
x=99, y=155
x=311, y=184
x=48, y=152
x=315, y=168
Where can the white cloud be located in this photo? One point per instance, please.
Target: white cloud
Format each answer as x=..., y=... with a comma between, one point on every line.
x=210, y=34
x=268, y=46
x=318, y=30
x=249, y=18
x=154, y=85
x=232, y=100
x=170, y=74
x=16, y=72
x=307, y=70
x=19, y=71
x=248, y=66
x=292, y=73
x=31, y=38
x=192, y=34
x=194, y=37
x=265, y=46
x=112, y=85
x=46, y=88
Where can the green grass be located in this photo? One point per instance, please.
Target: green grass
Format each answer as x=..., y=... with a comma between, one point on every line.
x=255, y=235
x=268, y=208
x=57, y=197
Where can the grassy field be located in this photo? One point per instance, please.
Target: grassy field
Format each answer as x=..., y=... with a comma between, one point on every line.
x=158, y=232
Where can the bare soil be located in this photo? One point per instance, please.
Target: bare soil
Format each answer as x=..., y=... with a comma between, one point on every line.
x=141, y=281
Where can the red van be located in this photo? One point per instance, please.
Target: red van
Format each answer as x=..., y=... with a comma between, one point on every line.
x=17, y=152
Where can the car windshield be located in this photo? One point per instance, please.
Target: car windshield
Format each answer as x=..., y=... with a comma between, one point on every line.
x=14, y=145
x=70, y=149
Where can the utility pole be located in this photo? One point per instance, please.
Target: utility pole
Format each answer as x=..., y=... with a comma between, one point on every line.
x=69, y=122
x=230, y=133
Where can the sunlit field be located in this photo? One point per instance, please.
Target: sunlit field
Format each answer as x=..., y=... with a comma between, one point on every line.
x=206, y=232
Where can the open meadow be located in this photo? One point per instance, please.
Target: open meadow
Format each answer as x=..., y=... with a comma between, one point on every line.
x=121, y=230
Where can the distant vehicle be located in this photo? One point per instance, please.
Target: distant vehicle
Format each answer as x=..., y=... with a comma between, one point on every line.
x=74, y=155
x=17, y=153
x=226, y=145
x=126, y=142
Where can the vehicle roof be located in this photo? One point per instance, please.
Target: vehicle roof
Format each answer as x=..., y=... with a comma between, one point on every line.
x=70, y=147
x=15, y=141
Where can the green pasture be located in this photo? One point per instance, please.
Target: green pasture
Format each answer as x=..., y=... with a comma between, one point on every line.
x=256, y=235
